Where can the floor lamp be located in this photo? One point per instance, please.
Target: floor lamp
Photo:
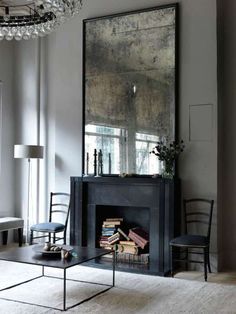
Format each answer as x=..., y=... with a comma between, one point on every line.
x=28, y=152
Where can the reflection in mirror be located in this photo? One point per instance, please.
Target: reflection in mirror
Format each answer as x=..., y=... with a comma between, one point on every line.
x=111, y=141
x=129, y=89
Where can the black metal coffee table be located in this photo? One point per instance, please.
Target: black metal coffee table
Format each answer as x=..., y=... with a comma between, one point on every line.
x=27, y=255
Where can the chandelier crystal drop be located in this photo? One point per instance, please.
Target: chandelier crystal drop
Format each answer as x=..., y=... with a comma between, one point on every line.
x=25, y=19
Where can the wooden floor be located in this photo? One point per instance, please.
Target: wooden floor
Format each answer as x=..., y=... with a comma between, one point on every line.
x=222, y=277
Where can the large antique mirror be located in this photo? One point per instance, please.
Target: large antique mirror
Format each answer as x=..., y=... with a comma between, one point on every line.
x=129, y=82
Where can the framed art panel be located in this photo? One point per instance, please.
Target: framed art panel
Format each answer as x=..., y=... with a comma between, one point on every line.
x=129, y=89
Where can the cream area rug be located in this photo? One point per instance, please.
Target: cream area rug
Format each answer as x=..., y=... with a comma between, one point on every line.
x=132, y=294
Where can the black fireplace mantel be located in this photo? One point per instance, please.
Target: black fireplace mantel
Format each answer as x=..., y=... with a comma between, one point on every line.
x=159, y=197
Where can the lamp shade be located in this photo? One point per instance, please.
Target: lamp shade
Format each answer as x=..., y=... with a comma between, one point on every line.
x=28, y=151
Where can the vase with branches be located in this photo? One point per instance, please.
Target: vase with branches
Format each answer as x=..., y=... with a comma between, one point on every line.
x=168, y=153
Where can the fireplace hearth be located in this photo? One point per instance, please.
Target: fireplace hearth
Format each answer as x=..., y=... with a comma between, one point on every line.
x=150, y=203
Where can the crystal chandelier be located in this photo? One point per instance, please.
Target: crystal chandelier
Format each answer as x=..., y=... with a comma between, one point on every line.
x=25, y=19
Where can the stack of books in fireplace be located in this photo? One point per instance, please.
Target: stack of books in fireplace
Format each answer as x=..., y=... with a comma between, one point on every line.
x=131, y=247
x=110, y=235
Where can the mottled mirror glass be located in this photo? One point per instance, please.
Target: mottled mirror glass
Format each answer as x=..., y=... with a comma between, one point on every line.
x=129, y=89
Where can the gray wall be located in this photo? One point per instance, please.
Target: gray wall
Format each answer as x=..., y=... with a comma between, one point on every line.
x=198, y=86
x=7, y=131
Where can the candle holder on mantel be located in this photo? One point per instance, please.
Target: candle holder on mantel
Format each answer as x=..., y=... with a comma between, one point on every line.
x=95, y=163
x=87, y=165
x=109, y=163
x=100, y=163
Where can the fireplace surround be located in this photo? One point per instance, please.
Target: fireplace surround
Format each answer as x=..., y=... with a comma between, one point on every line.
x=151, y=203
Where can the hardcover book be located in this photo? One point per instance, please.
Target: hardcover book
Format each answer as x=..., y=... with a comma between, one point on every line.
x=114, y=238
x=127, y=249
x=123, y=234
x=129, y=258
x=139, y=236
x=128, y=243
x=114, y=219
x=108, y=226
x=112, y=222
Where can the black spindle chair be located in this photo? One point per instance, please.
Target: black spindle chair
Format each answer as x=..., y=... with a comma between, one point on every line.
x=59, y=204
x=197, y=216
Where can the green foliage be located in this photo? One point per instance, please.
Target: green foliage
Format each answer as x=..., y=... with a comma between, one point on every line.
x=168, y=153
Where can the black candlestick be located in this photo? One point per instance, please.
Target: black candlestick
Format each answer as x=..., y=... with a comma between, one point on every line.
x=87, y=164
x=95, y=162
x=109, y=163
x=100, y=163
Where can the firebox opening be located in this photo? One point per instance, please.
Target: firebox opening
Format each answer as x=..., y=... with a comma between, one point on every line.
x=132, y=217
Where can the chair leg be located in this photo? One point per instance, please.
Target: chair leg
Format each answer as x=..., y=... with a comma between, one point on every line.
x=31, y=237
x=20, y=236
x=171, y=262
x=186, y=264
x=49, y=237
x=4, y=237
x=54, y=237
x=208, y=261
x=205, y=264
x=64, y=238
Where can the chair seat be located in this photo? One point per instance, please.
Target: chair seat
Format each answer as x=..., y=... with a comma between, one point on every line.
x=190, y=241
x=48, y=227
